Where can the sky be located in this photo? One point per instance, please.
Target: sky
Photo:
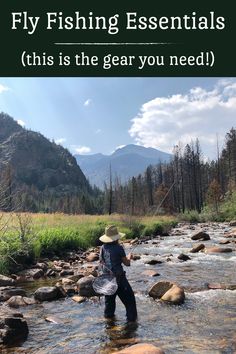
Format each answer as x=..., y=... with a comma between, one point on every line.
x=97, y=115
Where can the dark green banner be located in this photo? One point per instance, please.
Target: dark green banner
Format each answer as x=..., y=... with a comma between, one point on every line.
x=108, y=38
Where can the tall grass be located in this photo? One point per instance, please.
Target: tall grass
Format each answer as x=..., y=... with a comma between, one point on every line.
x=50, y=234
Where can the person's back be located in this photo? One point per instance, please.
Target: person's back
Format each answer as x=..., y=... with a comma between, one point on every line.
x=112, y=254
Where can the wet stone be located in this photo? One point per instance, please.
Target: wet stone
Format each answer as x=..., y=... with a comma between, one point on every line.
x=197, y=248
x=200, y=235
x=6, y=281
x=183, y=257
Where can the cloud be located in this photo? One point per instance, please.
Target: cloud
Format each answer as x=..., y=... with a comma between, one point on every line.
x=82, y=150
x=21, y=122
x=119, y=147
x=98, y=131
x=3, y=88
x=88, y=102
x=164, y=121
x=60, y=141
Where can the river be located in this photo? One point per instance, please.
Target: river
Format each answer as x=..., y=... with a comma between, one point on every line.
x=205, y=323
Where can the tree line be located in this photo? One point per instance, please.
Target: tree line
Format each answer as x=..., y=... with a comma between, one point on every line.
x=187, y=182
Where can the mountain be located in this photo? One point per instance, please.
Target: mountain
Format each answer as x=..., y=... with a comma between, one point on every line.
x=37, y=163
x=125, y=162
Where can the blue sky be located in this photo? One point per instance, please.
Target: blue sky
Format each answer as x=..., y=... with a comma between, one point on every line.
x=90, y=115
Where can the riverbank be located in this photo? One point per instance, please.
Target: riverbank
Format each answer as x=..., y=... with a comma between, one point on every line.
x=27, y=237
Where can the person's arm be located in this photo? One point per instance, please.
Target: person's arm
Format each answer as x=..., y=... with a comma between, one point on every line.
x=126, y=260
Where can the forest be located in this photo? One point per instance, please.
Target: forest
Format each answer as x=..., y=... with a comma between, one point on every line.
x=188, y=185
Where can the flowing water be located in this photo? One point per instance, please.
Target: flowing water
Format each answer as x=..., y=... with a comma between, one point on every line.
x=205, y=323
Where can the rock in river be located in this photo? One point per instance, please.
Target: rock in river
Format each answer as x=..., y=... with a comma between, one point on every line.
x=167, y=291
x=85, y=287
x=47, y=293
x=200, y=235
x=16, y=301
x=184, y=257
x=8, y=291
x=13, y=328
x=218, y=250
x=141, y=348
x=197, y=248
x=5, y=281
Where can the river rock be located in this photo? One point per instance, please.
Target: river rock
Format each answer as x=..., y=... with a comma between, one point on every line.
x=197, y=248
x=41, y=265
x=218, y=250
x=153, y=262
x=13, y=328
x=47, y=293
x=136, y=257
x=151, y=273
x=79, y=299
x=232, y=223
x=224, y=242
x=6, y=281
x=34, y=273
x=167, y=291
x=7, y=292
x=16, y=301
x=221, y=286
x=184, y=257
x=50, y=273
x=92, y=257
x=200, y=235
x=85, y=287
x=66, y=272
x=141, y=348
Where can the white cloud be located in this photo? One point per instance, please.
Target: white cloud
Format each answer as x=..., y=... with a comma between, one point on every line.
x=88, y=102
x=82, y=150
x=119, y=147
x=3, y=88
x=21, y=122
x=60, y=141
x=164, y=121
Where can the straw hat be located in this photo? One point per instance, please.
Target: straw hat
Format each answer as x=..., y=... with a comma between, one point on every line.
x=111, y=234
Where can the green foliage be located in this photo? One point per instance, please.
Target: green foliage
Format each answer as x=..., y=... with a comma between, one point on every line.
x=191, y=216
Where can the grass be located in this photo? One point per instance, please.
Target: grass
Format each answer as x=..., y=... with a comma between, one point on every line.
x=30, y=236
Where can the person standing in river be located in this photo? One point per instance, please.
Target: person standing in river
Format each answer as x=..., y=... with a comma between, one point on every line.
x=112, y=256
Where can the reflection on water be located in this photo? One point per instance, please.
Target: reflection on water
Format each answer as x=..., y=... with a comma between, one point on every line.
x=205, y=323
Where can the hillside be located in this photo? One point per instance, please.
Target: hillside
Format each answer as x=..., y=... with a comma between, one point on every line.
x=125, y=162
x=37, y=163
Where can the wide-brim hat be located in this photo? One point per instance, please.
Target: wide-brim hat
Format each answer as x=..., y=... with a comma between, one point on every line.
x=111, y=234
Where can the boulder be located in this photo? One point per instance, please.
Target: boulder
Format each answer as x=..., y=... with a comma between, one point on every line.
x=218, y=250
x=34, y=273
x=85, y=287
x=8, y=291
x=50, y=273
x=47, y=293
x=16, y=301
x=13, y=328
x=66, y=272
x=197, y=248
x=42, y=266
x=153, y=262
x=92, y=257
x=141, y=348
x=6, y=281
x=224, y=242
x=167, y=291
x=151, y=273
x=200, y=235
x=232, y=223
x=221, y=286
x=184, y=257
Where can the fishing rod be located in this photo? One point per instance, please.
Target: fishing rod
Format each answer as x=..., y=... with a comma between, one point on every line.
x=158, y=207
